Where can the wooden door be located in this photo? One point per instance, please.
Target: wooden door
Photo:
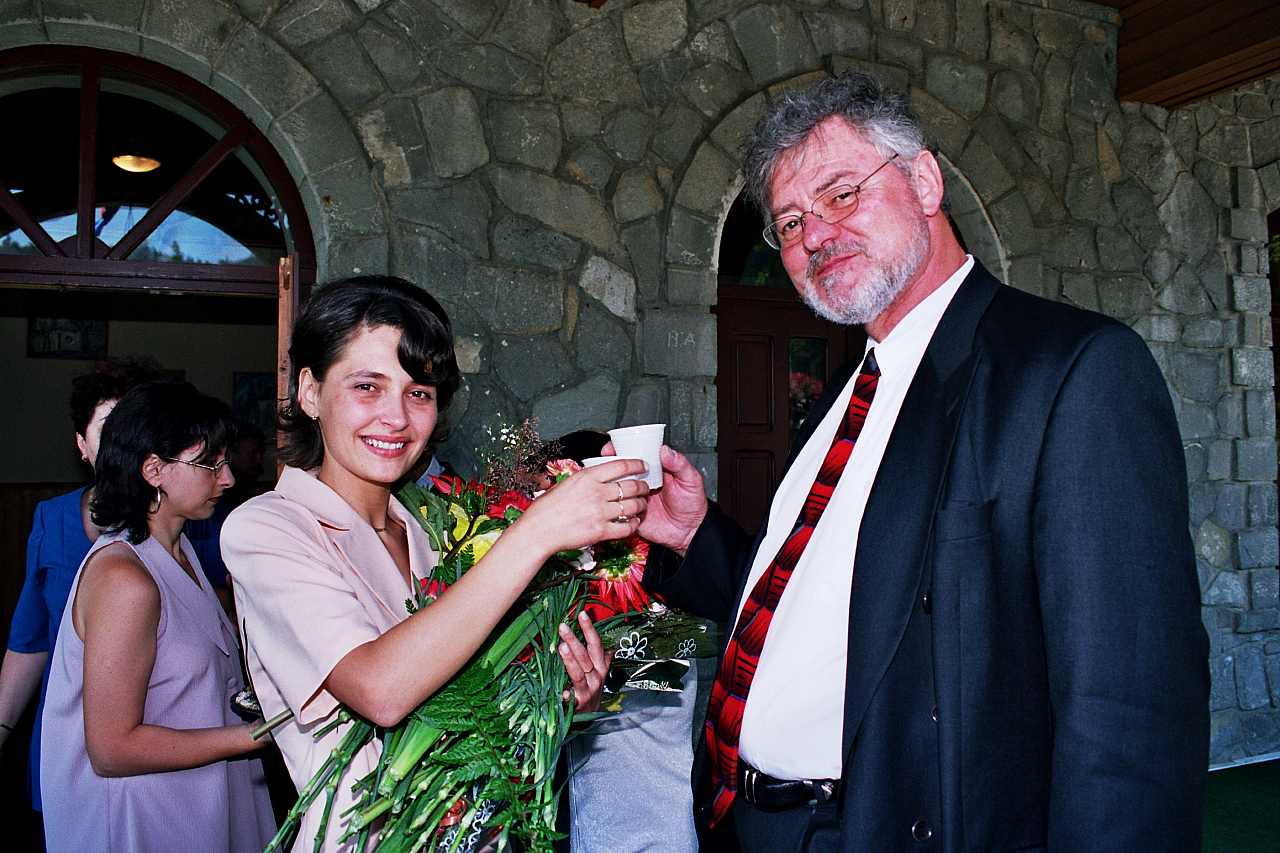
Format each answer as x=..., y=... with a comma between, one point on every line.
x=775, y=356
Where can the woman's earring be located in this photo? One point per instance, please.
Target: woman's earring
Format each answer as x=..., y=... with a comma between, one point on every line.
x=159, y=496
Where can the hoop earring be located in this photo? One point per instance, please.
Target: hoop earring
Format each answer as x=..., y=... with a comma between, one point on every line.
x=152, y=510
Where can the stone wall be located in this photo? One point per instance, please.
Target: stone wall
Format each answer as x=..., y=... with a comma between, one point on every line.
x=558, y=176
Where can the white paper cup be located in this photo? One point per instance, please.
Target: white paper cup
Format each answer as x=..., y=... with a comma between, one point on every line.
x=641, y=442
x=592, y=461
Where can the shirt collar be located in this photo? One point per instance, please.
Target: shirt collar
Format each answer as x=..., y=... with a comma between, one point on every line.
x=904, y=346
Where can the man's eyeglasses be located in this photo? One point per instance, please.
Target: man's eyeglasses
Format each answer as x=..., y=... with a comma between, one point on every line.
x=216, y=469
x=834, y=205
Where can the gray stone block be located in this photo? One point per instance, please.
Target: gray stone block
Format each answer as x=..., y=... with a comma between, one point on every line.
x=658, y=81
x=1196, y=376
x=838, y=33
x=455, y=135
x=1251, y=677
x=627, y=135
x=1016, y=97
x=1230, y=506
x=1231, y=415
x=1223, y=674
x=1079, y=289
x=601, y=341
x=526, y=133
x=679, y=129
x=530, y=26
x=1264, y=589
x=459, y=210
x=1272, y=666
x=1203, y=334
x=1252, y=366
x=611, y=285
x=654, y=30
x=971, y=27
x=197, y=28
x=436, y=265
x=1247, y=225
x=691, y=287
x=1264, y=140
x=1055, y=77
x=678, y=343
x=529, y=366
x=592, y=404
x=1259, y=547
x=636, y=196
x=489, y=67
x=714, y=44
x=305, y=21
x=646, y=403
x=705, y=415
x=350, y=203
x=774, y=43
x=399, y=61
x=341, y=63
x=710, y=182
x=1093, y=82
x=473, y=16
x=1262, y=505
x=691, y=240
x=1256, y=459
x=1191, y=218
x=522, y=301
x=712, y=90
x=960, y=85
x=1227, y=143
x=943, y=126
x=679, y=414
x=1220, y=452
x=589, y=164
x=565, y=207
x=1070, y=247
x=1260, y=413
x=1213, y=545
x=393, y=140
x=1250, y=293
x=521, y=241
x=356, y=256
x=644, y=245
x=591, y=64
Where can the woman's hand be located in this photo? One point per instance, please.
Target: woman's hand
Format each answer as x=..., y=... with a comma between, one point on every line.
x=585, y=508
x=587, y=665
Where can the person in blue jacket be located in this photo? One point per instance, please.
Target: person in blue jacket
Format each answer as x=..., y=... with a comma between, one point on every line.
x=61, y=535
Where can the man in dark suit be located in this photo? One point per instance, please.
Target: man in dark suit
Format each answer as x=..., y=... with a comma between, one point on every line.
x=980, y=631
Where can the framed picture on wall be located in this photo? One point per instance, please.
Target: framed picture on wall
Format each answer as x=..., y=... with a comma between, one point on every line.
x=49, y=337
x=255, y=400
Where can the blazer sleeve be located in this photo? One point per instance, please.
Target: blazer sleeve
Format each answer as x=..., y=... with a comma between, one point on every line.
x=29, y=628
x=708, y=580
x=1119, y=594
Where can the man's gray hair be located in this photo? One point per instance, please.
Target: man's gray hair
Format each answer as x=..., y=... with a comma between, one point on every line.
x=883, y=117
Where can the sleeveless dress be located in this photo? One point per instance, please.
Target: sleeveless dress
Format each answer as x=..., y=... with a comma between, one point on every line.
x=218, y=808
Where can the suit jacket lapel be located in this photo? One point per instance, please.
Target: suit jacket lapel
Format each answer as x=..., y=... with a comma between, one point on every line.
x=897, y=525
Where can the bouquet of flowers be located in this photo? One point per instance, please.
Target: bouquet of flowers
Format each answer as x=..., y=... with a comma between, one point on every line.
x=474, y=761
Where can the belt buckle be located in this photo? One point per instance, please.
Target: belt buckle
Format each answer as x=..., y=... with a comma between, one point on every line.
x=749, y=777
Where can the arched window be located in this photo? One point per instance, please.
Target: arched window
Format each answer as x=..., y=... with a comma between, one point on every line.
x=119, y=172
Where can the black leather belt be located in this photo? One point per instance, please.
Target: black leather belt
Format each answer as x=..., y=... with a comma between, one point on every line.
x=776, y=795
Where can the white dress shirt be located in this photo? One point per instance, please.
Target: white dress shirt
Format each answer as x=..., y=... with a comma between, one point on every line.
x=793, y=721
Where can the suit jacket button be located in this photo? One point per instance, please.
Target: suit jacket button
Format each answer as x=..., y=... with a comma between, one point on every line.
x=934, y=713
x=921, y=831
x=927, y=601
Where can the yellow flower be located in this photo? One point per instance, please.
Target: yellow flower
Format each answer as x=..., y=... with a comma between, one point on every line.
x=461, y=522
x=480, y=545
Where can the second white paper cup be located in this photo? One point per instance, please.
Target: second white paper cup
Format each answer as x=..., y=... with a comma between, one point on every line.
x=641, y=442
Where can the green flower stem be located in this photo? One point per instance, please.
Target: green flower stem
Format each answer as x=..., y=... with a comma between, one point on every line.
x=271, y=724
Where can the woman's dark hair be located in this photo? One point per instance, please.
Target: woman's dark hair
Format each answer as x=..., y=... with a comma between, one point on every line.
x=163, y=417
x=331, y=319
x=108, y=380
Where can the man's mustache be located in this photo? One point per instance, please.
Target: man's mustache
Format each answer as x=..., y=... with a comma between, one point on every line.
x=833, y=250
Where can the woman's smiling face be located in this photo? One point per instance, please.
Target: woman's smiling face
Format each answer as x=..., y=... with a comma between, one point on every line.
x=374, y=418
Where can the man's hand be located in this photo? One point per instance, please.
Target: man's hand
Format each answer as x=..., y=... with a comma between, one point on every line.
x=677, y=509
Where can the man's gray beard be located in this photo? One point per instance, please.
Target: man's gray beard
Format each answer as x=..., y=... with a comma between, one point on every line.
x=881, y=284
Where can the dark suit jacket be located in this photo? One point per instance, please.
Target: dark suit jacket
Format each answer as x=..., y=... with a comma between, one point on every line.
x=1025, y=577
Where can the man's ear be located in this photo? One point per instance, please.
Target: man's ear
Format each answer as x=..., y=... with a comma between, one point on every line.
x=926, y=177
x=151, y=469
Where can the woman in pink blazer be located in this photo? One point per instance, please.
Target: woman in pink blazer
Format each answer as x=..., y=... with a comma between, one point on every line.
x=322, y=566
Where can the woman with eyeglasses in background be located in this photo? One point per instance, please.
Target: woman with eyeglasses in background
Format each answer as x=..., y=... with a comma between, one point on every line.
x=149, y=750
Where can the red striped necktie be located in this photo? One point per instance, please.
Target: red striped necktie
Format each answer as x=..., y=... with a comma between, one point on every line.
x=738, y=667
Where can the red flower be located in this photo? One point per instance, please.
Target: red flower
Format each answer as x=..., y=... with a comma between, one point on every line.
x=512, y=499
x=615, y=585
x=452, y=485
x=431, y=589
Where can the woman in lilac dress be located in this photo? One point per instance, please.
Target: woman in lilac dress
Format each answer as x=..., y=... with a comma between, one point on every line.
x=150, y=756
x=61, y=534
